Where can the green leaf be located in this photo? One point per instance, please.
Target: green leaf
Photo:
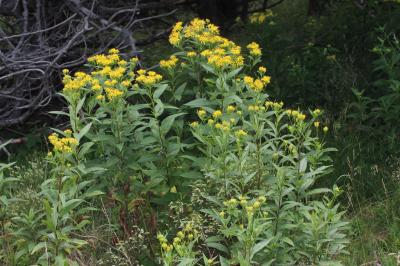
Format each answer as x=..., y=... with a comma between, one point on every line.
x=38, y=247
x=233, y=73
x=159, y=91
x=214, y=239
x=218, y=246
x=70, y=205
x=159, y=108
x=288, y=241
x=200, y=102
x=85, y=148
x=318, y=191
x=92, y=194
x=224, y=261
x=166, y=124
x=259, y=246
x=303, y=165
x=83, y=131
x=80, y=104
x=208, y=68
x=179, y=91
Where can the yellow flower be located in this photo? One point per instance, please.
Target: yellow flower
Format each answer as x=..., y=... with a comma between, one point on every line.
x=256, y=205
x=68, y=132
x=249, y=209
x=248, y=81
x=113, y=51
x=258, y=85
x=174, y=37
x=134, y=60
x=170, y=63
x=218, y=126
x=240, y=133
x=173, y=189
x=194, y=124
x=266, y=80
x=301, y=117
x=126, y=83
x=96, y=87
x=254, y=49
x=122, y=63
x=210, y=122
x=148, y=78
x=63, y=145
x=325, y=129
x=243, y=202
x=230, y=108
x=316, y=124
x=100, y=97
x=217, y=114
x=180, y=234
x=113, y=94
x=201, y=113
x=191, y=54
x=262, y=69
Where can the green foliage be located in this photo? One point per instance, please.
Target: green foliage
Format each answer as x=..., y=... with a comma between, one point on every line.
x=203, y=159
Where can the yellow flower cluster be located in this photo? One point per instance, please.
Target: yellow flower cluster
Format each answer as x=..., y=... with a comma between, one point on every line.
x=110, y=71
x=262, y=69
x=299, y=116
x=202, y=31
x=231, y=108
x=255, y=205
x=105, y=60
x=164, y=243
x=117, y=73
x=225, y=125
x=191, y=54
x=113, y=94
x=148, y=78
x=260, y=17
x=316, y=112
x=218, y=51
x=250, y=207
x=65, y=144
x=240, y=133
x=225, y=61
x=170, y=63
x=182, y=238
x=201, y=113
x=217, y=113
x=174, y=37
x=257, y=84
x=254, y=49
x=255, y=108
x=74, y=84
x=194, y=124
x=274, y=105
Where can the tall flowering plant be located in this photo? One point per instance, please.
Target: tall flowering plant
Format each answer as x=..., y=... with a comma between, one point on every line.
x=203, y=124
